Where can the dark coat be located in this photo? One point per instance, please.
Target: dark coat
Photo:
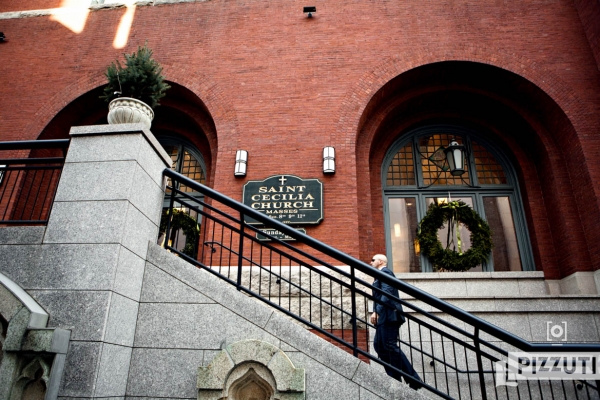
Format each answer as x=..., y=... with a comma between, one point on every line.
x=388, y=309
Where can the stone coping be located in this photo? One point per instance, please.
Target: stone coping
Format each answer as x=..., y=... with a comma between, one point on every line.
x=119, y=129
x=21, y=234
x=471, y=275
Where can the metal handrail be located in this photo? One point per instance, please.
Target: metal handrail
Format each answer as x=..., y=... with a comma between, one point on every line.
x=28, y=184
x=472, y=340
x=35, y=144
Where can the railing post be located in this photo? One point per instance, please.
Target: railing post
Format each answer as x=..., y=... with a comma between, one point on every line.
x=169, y=215
x=354, y=317
x=479, y=364
x=240, y=251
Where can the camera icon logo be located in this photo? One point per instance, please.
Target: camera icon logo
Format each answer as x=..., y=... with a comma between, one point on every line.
x=556, y=332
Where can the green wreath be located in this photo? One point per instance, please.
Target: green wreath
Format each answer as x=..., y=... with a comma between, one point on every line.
x=449, y=259
x=189, y=226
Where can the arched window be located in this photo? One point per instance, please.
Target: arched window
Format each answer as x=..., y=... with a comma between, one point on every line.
x=188, y=161
x=415, y=174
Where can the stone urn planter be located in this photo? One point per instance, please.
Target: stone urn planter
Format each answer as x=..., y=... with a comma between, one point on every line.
x=127, y=110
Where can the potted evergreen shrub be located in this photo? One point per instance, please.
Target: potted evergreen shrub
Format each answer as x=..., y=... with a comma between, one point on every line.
x=135, y=89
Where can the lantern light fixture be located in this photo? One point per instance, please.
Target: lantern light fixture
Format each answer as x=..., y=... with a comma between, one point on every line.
x=241, y=162
x=328, y=160
x=455, y=154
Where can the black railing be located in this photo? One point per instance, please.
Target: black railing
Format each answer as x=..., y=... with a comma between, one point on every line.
x=29, y=175
x=456, y=354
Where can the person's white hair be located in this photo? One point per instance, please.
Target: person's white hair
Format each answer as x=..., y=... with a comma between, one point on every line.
x=381, y=258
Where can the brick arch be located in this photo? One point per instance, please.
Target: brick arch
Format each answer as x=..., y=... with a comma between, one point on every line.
x=355, y=106
x=219, y=108
x=357, y=98
x=44, y=115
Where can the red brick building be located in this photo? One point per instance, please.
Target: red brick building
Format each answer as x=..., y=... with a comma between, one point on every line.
x=386, y=83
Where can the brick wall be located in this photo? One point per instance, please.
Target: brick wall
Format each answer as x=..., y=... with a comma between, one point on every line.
x=264, y=78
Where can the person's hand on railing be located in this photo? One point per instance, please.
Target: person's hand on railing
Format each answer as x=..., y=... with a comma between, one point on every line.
x=374, y=318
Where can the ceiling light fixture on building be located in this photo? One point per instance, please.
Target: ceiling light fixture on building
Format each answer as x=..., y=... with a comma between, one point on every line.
x=455, y=154
x=309, y=11
x=328, y=160
x=241, y=162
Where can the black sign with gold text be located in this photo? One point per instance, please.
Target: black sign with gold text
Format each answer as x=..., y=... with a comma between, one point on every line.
x=286, y=198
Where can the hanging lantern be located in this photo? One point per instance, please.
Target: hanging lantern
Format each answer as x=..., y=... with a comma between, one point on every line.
x=455, y=154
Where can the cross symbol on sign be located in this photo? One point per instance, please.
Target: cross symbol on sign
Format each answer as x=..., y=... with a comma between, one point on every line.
x=282, y=180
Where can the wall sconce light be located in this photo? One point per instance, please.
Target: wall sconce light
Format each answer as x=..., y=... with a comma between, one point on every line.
x=241, y=162
x=328, y=160
x=309, y=11
x=2, y=37
x=455, y=154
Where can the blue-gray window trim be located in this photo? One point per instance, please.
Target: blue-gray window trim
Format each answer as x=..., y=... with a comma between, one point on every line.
x=478, y=192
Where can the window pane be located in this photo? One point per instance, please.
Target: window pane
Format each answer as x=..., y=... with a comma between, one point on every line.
x=172, y=151
x=489, y=172
x=191, y=168
x=451, y=240
x=433, y=161
x=401, y=170
x=403, y=228
x=505, y=251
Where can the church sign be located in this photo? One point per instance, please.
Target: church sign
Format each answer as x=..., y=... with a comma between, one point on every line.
x=276, y=234
x=286, y=198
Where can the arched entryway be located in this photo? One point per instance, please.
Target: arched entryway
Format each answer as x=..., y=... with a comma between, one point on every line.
x=513, y=119
x=415, y=174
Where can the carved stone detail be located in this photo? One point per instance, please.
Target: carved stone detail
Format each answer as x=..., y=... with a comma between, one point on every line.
x=251, y=370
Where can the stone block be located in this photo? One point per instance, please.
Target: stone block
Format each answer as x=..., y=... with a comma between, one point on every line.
x=20, y=262
x=336, y=359
x=22, y=234
x=531, y=287
x=122, y=318
x=169, y=373
x=154, y=159
x=209, y=285
x=578, y=327
x=160, y=287
x=130, y=274
x=442, y=288
x=87, y=222
x=493, y=287
x=367, y=395
x=72, y=267
x=137, y=231
x=82, y=312
x=323, y=383
x=553, y=287
x=193, y=326
x=146, y=195
x=96, y=181
x=118, y=180
x=517, y=324
x=113, y=370
x=579, y=283
x=80, y=369
x=92, y=144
